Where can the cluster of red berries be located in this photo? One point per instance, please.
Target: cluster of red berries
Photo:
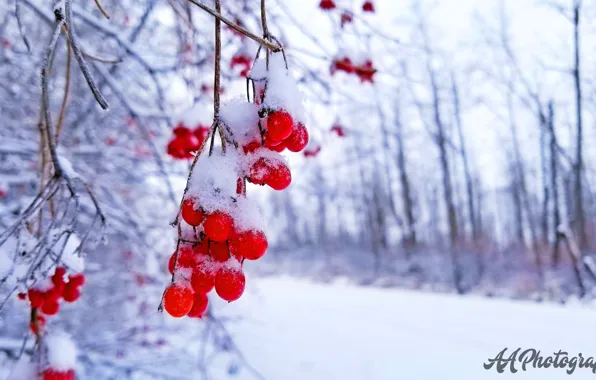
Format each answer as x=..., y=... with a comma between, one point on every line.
x=365, y=71
x=47, y=301
x=212, y=262
x=52, y=374
x=243, y=61
x=328, y=5
x=186, y=141
x=280, y=133
x=212, y=256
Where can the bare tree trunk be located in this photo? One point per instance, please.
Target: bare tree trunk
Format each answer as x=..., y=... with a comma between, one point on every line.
x=544, y=177
x=578, y=193
x=408, y=205
x=444, y=159
x=554, y=184
x=464, y=157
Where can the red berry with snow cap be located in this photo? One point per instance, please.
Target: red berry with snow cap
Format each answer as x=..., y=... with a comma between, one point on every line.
x=192, y=213
x=203, y=277
x=279, y=178
x=230, y=283
x=298, y=140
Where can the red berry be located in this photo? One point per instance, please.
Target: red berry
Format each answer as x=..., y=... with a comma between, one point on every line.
x=77, y=279
x=199, y=306
x=252, y=244
x=192, y=214
x=177, y=300
x=201, y=249
x=230, y=283
x=327, y=5
x=71, y=293
x=36, y=298
x=218, y=226
x=259, y=171
x=298, y=140
x=219, y=251
x=22, y=296
x=50, y=307
x=186, y=259
x=203, y=277
x=41, y=323
x=368, y=6
x=54, y=293
x=279, y=178
x=277, y=146
x=252, y=146
x=279, y=125
x=58, y=277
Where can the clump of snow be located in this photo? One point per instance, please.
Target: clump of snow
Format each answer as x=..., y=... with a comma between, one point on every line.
x=69, y=255
x=43, y=285
x=259, y=70
x=213, y=181
x=282, y=92
x=198, y=114
x=242, y=118
x=23, y=370
x=61, y=351
x=66, y=165
x=248, y=216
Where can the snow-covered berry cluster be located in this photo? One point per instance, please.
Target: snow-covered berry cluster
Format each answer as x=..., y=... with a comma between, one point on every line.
x=44, y=297
x=220, y=227
x=186, y=141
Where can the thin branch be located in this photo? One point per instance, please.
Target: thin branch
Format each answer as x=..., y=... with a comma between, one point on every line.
x=274, y=48
x=102, y=10
x=45, y=73
x=20, y=25
x=65, y=98
x=79, y=56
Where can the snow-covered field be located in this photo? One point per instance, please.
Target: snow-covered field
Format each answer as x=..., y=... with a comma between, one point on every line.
x=296, y=330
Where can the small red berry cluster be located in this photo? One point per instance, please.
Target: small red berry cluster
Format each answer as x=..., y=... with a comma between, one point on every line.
x=364, y=71
x=338, y=130
x=243, y=61
x=52, y=374
x=328, y=5
x=186, y=141
x=46, y=300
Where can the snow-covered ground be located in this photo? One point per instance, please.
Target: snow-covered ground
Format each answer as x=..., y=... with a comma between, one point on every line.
x=297, y=330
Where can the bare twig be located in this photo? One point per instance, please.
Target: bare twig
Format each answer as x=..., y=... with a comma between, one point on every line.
x=274, y=48
x=102, y=10
x=79, y=56
x=65, y=98
x=20, y=25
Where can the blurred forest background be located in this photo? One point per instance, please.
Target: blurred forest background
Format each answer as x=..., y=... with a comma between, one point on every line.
x=465, y=165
